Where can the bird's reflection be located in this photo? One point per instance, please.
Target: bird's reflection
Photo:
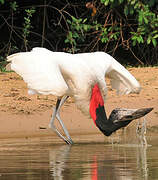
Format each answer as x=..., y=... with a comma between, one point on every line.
x=57, y=159
x=98, y=161
x=142, y=161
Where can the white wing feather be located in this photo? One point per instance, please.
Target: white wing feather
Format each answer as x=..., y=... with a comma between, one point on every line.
x=122, y=80
x=40, y=73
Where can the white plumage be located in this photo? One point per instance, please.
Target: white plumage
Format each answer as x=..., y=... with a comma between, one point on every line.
x=63, y=74
x=59, y=73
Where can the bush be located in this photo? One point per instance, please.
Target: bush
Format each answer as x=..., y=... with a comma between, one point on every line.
x=127, y=29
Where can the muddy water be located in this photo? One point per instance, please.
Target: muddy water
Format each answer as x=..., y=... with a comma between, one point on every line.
x=44, y=158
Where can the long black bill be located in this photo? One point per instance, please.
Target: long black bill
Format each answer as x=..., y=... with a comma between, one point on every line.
x=118, y=118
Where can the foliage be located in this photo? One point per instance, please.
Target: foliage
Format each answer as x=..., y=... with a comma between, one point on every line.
x=76, y=33
x=2, y=64
x=13, y=5
x=2, y=1
x=27, y=25
x=127, y=29
x=128, y=24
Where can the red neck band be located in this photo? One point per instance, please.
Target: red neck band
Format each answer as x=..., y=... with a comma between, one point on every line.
x=96, y=100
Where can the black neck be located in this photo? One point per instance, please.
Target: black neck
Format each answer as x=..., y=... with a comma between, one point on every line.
x=106, y=126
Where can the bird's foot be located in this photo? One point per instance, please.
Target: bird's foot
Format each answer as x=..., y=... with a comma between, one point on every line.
x=69, y=141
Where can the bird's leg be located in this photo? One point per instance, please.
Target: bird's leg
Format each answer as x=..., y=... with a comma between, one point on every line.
x=60, y=121
x=51, y=124
x=59, y=103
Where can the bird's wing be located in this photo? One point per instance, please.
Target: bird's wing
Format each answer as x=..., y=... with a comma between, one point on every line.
x=39, y=71
x=121, y=79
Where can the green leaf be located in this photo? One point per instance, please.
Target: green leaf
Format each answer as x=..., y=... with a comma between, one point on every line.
x=136, y=6
x=121, y=1
x=134, y=37
x=74, y=19
x=104, y=40
x=140, y=18
x=75, y=35
x=154, y=42
x=156, y=36
x=145, y=20
x=66, y=41
x=134, y=43
x=70, y=34
x=77, y=27
x=141, y=39
x=79, y=20
x=69, y=21
x=106, y=2
x=84, y=20
x=115, y=36
x=2, y=1
x=86, y=27
x=149, y=40
x=126, y=10
x=109, y=29
x=111, y=36
x=133, y=2
x=131, y=10
x=13, y=5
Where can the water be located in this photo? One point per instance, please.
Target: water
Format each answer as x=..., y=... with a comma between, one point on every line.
x=42, y=159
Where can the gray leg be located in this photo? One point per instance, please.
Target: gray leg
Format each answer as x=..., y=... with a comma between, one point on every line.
x=57, y=115
x=64, y=128
x=60, y=121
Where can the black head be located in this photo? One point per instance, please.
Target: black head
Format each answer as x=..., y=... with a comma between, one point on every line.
x=118, y=118
x=123, y=114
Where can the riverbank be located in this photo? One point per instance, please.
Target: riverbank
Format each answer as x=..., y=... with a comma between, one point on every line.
x=22, y=115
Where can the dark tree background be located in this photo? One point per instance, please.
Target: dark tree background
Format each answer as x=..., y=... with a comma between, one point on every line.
x=126, y=29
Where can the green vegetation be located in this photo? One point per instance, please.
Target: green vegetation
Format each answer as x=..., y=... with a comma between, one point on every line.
x=126, y=29
x=27, y=25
